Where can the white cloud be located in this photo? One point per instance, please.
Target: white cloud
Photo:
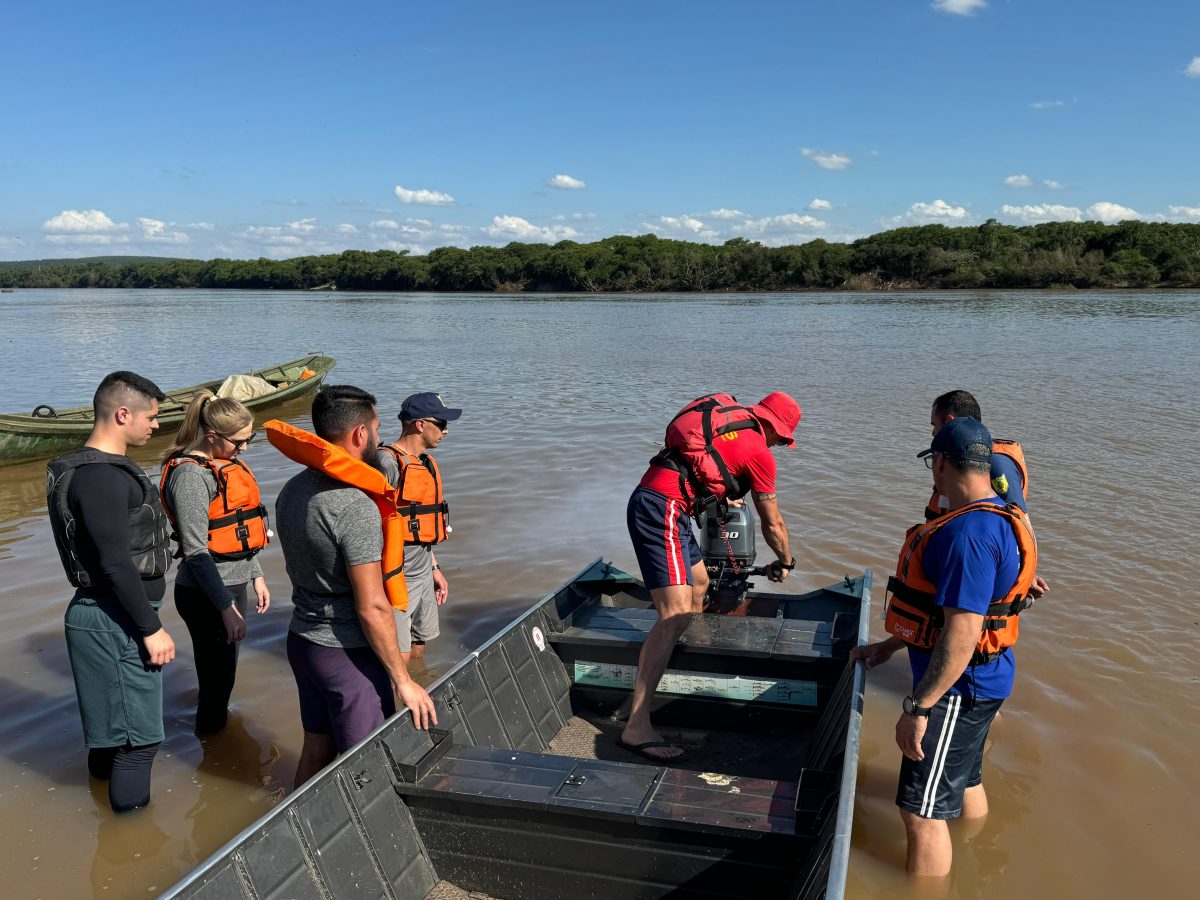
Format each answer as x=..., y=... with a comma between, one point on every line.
x=303, y=226
x=156, y=230
x=74, y=221
x=724, y=213
x=424, y=222
x=514, y=228
x=1184, y=212
x=927, y=213
x=1046, y=104
x=786, y=223
x=1018, y=181
x=832, y=161
x=1054, y=185
x=389, y=224
x=567, y=183
x=203, y=226
x=959, y=7
x=685, y=226
x=817, y=203
x=346, y=228
x=423, y=197
x=1193, y=69
x=1043, y=212
x=1110, y=213
x=774, y=231
x=575, y=217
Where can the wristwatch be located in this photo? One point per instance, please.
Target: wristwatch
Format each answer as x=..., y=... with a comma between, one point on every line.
x=911, y=708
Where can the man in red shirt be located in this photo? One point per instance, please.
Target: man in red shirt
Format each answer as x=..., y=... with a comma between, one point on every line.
x=672, y=566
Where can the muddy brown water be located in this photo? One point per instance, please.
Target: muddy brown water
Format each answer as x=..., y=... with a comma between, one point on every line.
x=1091, y=771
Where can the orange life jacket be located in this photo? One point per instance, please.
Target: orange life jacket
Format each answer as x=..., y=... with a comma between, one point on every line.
x=912, y=611
x=1013, y=451
x=316, y=453
x=237, y=519
x=420, y=496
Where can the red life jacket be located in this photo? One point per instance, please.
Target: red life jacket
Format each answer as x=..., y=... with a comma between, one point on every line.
x=1013, y=451
x=237, y=519
x=913, y=614
x=420, y=496
x=317, y=453
x=691, y=448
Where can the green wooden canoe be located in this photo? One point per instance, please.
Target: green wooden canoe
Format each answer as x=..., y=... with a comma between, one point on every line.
x=28, y=436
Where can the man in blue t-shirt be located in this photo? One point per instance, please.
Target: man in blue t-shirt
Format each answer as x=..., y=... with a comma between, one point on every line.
x=972, y=560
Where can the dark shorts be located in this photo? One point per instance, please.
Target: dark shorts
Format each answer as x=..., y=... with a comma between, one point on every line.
x=344, y=692
x=119, y=692
x=958, y=728
x=661, y=531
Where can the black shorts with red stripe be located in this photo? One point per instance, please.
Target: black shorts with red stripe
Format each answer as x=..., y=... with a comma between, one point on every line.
x=661, y=531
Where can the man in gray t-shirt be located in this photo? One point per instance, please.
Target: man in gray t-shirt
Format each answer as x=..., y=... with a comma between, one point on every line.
x=342, y=639
x=325, y=527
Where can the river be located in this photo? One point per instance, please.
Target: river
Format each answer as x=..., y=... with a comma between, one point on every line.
x=1091, y=774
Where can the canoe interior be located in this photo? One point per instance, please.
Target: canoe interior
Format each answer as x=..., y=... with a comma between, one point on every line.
x=24, y=436
x=521, y=791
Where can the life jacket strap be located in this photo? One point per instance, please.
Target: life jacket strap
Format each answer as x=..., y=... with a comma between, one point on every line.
x=922, y=600
x=237, y=516
x=982, y=659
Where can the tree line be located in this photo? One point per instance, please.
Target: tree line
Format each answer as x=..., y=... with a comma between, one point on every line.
x=991, y=255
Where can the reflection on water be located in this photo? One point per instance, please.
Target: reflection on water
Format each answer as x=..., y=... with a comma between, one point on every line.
x=565, y=400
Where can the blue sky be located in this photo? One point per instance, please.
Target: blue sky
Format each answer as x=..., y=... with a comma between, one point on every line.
x=255, y=129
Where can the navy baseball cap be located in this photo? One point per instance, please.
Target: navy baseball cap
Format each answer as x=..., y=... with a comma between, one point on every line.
x=962, y=438
x=427, y=405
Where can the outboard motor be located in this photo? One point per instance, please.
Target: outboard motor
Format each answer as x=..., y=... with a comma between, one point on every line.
x=727, y=546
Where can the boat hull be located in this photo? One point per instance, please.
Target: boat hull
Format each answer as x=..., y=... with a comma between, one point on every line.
x=25, y=437
x=493, y=800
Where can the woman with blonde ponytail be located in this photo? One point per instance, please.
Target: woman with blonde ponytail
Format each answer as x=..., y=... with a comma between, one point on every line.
x=213, y=501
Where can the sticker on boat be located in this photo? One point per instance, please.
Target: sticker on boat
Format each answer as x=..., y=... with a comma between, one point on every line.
x=703, y=684
x=539, y=639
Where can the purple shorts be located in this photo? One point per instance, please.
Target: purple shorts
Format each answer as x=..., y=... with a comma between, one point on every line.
x=344, y=692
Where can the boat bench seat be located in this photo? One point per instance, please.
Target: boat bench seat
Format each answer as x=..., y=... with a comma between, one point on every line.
x=656, y=796
x=743, y=636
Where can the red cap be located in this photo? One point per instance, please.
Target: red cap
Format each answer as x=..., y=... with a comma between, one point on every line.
x=782, y=411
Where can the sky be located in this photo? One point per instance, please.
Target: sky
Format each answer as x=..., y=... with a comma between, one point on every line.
x=275, y=130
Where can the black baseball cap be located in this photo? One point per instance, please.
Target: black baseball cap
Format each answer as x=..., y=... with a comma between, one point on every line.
x=427, y=405
x=962, y=438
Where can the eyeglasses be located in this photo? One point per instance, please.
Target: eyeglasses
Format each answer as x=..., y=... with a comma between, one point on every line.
x=241, y=445
x=440, y=424
x=929, y=461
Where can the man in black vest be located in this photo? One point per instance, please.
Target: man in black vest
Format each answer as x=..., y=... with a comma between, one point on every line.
x=114, y=541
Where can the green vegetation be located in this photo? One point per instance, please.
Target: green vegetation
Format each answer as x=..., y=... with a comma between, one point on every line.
x=991, y=255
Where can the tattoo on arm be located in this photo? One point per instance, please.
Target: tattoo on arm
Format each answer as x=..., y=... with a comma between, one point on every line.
x=770, y=495
x=939, y=661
